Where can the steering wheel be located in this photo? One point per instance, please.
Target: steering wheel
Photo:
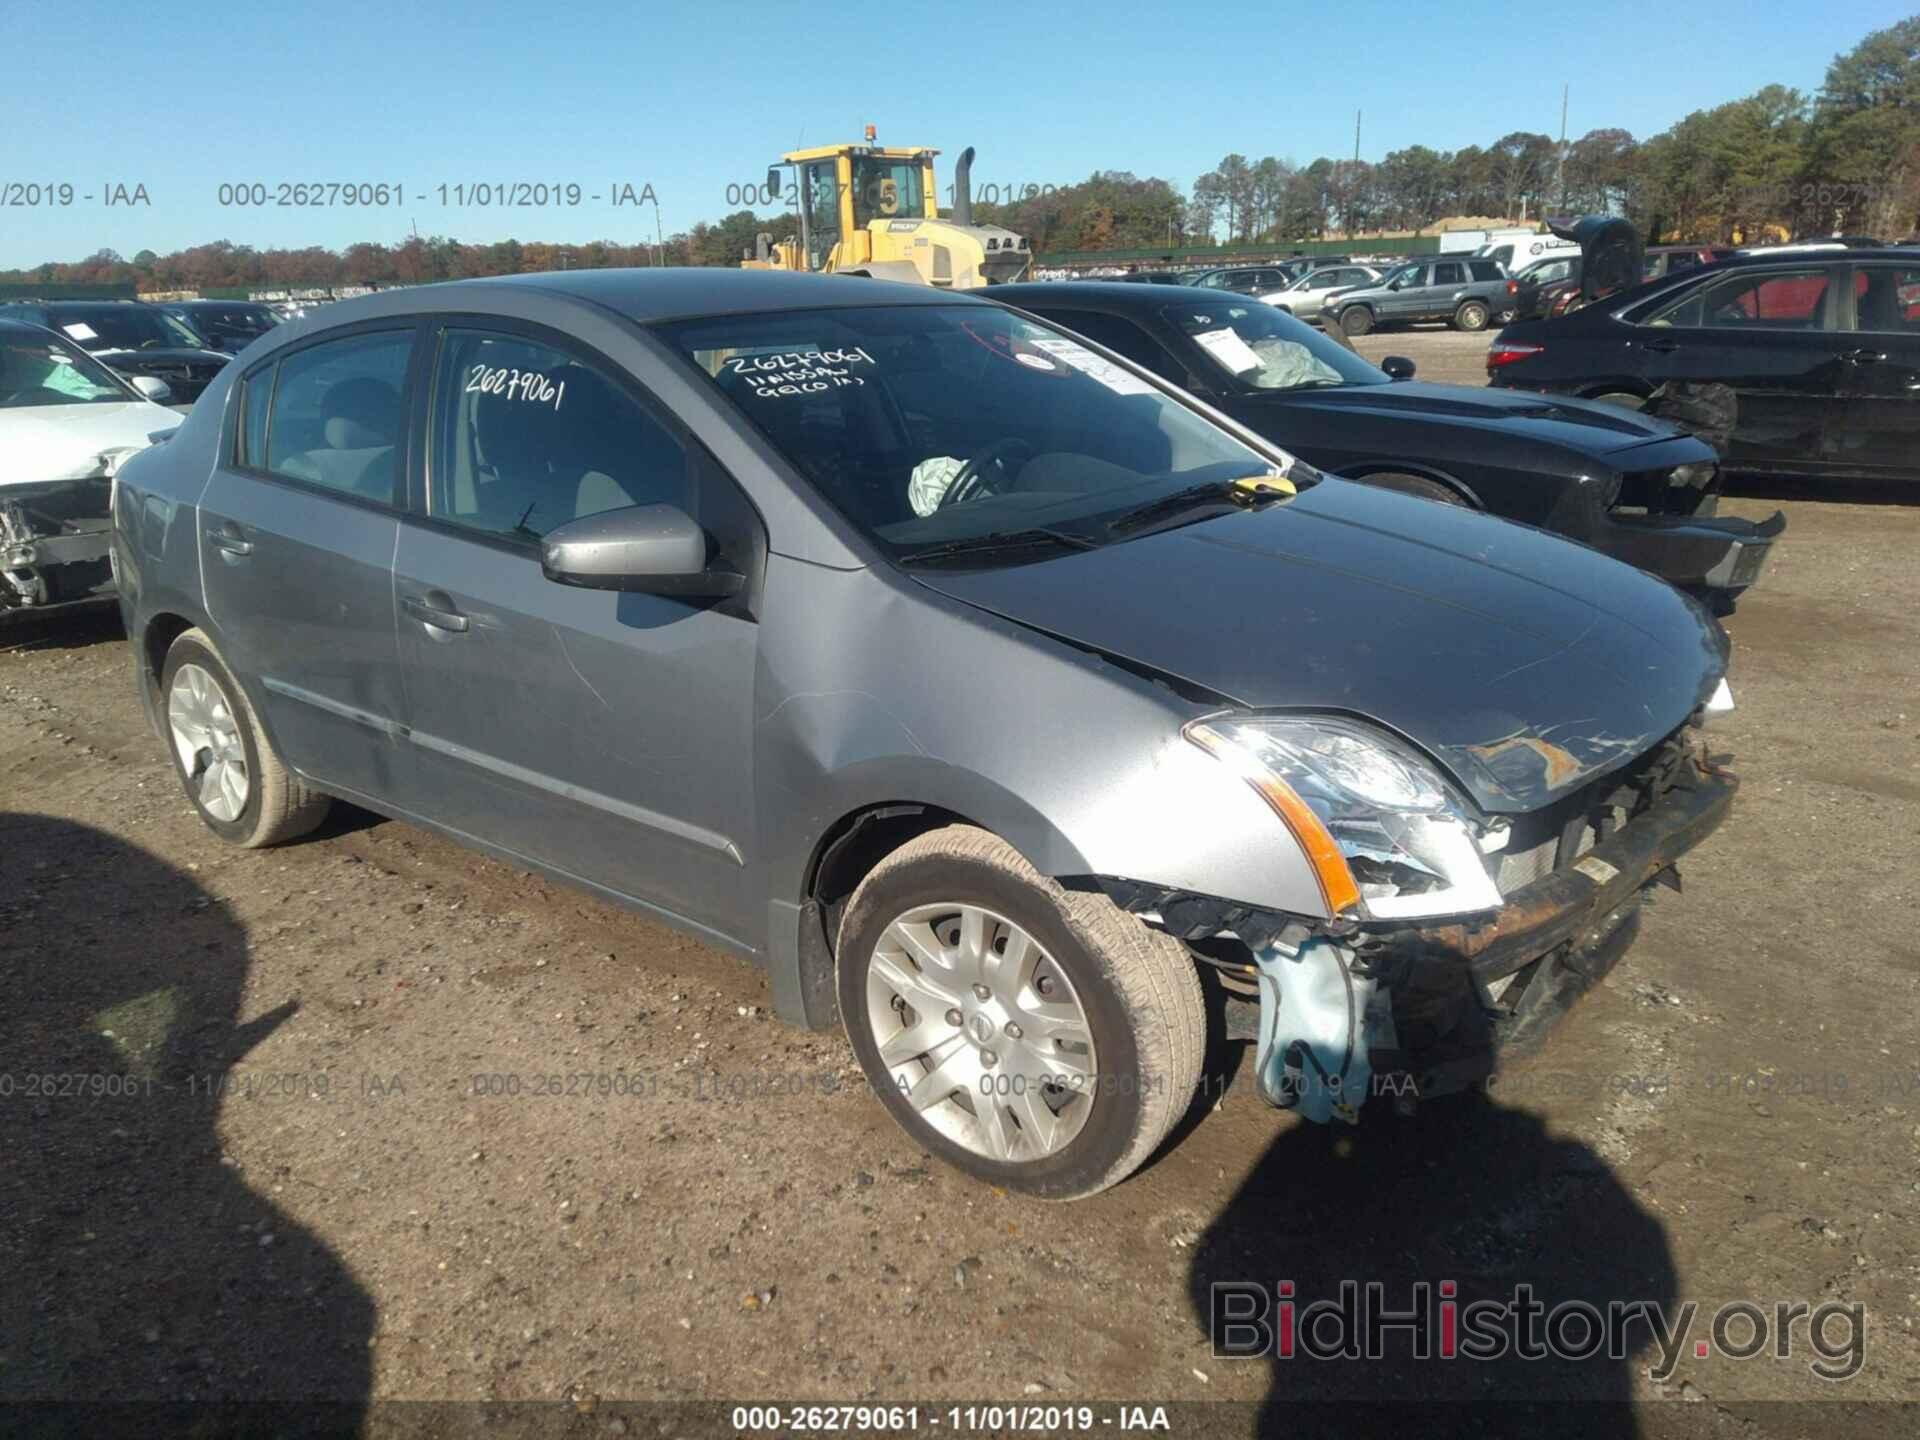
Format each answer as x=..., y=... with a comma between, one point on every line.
x=968, y=482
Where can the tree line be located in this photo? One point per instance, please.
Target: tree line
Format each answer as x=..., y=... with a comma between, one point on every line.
x=1775, y=164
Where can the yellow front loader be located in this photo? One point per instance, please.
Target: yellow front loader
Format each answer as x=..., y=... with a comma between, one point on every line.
x=870, y=210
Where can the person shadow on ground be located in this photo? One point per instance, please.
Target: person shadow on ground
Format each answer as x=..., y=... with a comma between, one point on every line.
x=1467, y=1193
x=139, y=1265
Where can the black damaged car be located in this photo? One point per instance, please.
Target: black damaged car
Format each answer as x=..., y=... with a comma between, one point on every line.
x=1636, y=487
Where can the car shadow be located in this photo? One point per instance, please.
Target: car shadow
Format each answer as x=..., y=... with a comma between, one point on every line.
x=140, y=1264
x=78, y=628
x=1465, y=1191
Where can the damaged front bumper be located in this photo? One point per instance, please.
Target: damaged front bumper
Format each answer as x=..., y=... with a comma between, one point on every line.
x=55, y=540
x=1416, y=1010
x=1711, y=555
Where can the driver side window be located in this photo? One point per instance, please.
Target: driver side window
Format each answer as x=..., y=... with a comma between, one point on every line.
x=526, y=437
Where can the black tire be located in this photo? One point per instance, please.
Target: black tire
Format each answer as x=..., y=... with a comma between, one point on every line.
x=1472, y=315
x=1137, y=986
x=1356, y=320
x=1414, y=485
x=1625, y=399
x=279, y=806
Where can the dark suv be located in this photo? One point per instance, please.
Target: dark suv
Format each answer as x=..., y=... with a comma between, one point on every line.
x=1466, y=292
x=1821, y=348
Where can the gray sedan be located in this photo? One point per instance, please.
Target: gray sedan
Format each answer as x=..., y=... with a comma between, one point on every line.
x=1006, y=704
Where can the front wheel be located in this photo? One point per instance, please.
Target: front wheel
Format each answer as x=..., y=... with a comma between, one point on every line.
x=1035, y=1037
x=240, y=787
x=1357, y=321
x=1470, y=316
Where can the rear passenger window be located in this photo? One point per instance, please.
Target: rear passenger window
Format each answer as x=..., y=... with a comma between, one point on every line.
x=527, y=437
x=336, y=415
x=253, y=428
x=1450, y=272
x=1887, y=298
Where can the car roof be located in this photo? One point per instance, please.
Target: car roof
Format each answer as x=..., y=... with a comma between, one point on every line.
x=668, y=293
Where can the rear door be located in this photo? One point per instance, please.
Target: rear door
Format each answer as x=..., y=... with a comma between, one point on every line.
x=605, y=735
x=1776, y=337
x=297, y=530
x=1880, y=433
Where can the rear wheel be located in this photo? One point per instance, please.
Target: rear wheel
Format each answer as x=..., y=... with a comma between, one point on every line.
x=240, y=787
x=1472, y=315
x=1035, y=1037
x=1414, y=485
x=1356, y=321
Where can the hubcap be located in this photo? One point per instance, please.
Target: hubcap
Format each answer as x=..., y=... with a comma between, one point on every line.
x=982, y=1031
x=207, y=740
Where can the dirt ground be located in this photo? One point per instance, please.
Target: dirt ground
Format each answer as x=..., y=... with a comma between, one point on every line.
x=284, y=1171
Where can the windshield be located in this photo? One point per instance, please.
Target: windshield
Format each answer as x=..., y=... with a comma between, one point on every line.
x=122, y=327
x=37, y=370
x=927, y=425
x=1262, y=348
x=884, y=189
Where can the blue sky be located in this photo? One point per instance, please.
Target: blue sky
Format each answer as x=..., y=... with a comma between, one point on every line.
x=689, y=97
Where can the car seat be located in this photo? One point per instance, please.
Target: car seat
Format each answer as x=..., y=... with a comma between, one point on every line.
x=361, y=426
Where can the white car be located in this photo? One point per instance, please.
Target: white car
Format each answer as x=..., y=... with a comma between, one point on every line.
x=1304, y=297
x=66, y=424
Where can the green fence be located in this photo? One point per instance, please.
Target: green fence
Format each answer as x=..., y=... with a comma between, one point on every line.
x=66, y=292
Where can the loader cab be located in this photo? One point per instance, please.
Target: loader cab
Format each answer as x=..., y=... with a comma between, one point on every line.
x=845, y=188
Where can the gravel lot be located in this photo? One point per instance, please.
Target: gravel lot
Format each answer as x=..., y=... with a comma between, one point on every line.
x=304, y=1196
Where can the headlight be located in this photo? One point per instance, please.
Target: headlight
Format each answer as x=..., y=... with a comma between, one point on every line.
x=1383, y=830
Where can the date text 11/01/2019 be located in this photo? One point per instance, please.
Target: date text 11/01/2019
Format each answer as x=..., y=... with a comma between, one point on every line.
x=449, y=195
x=1046, y=1419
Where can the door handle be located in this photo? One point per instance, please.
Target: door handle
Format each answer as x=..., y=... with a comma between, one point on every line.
x=437, y=616
x=1660, y=347
x=229, y=540
x=1864, y=357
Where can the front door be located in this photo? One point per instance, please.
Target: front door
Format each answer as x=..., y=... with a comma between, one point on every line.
x=297, y=526
x=606, y=735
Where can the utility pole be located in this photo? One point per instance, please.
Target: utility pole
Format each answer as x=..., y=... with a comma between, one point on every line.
x=1560, y=173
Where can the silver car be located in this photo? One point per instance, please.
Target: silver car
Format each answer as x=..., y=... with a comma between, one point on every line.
x=1009, y=706
x=1304, y=297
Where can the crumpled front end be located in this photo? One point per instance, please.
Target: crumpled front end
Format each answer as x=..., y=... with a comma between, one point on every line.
x=54, y=541
x=1346, y=1010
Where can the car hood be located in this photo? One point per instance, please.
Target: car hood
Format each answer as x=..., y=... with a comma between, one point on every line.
x=1526, y=664
x=64, y=442
x=1585, y=425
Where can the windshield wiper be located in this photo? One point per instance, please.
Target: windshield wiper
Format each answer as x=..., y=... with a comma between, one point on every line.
x=996, y=540
x=1222, y=493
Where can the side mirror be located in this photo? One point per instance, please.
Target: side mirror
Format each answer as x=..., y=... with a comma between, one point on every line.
x=651, y=549
x=773, y=184
x=156, y=390
x=1397, y=367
